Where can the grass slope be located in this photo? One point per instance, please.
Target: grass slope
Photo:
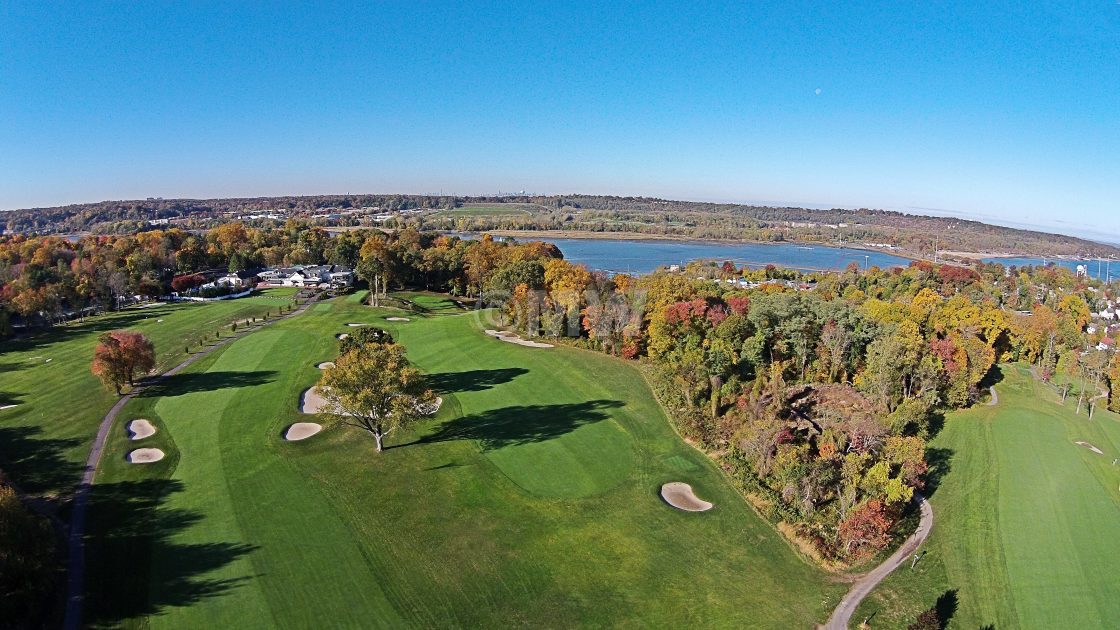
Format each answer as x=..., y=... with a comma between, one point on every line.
x=531, y=499
x=45, y=438
x=1027, y=528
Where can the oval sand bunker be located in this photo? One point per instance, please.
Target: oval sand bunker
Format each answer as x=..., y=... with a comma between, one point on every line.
x=343, y=335
x=140, y=429
x=325, y=364
x=356, y=325
x=397, y=319
x=680, y=496
x=302, y=431
x=144, y=456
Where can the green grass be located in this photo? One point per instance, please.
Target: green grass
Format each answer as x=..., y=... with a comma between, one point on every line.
x=1027, y=523
x=47, y=436
x=530, y=500
x=490, y=210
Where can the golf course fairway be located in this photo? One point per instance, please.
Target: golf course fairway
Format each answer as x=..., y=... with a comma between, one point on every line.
x=530, y=499
x=1027, y=529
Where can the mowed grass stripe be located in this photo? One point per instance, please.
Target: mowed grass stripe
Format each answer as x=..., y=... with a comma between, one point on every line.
x=250, y=496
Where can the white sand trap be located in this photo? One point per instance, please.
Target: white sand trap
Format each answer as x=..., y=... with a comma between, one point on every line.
x=343, y=335
x=325, y=364
x=313, y=402
x=679, y=495
x=302, y=431
x=8, y=407
x=144, y=456
x=159, y=321
x=140, y=429
x=397, y=319
x=48, y=360
x=431, y=409
x=357, y=325
x=513, y=338
x=1090, y=447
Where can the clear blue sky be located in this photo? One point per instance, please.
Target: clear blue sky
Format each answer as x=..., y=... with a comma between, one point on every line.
x=1007, y=111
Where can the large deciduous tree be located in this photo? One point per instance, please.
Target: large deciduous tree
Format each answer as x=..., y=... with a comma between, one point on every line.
x=121, y=355
x=375, y=388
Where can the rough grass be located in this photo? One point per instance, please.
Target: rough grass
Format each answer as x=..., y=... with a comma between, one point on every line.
x=530, y=500
x=47, y=436
x=1027, y=523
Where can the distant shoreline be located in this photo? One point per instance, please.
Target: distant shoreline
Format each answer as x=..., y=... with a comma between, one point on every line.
x=638, y=236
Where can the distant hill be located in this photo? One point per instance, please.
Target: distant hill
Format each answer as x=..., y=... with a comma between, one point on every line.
x=915, y=235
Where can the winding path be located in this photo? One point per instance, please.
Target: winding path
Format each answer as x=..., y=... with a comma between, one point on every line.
x=76, y=563
x=863, y=586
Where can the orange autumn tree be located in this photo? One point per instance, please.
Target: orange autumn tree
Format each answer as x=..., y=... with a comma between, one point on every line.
x=121, y=355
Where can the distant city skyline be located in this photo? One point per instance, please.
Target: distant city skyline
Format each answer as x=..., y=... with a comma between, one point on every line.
x=1003, y=113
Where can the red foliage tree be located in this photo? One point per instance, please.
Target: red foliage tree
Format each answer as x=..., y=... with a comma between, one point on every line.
x=187, y=282
x=864, y=531
x=120, y=355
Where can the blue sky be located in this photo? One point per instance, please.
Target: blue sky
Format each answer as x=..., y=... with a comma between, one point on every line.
x=1005, y=111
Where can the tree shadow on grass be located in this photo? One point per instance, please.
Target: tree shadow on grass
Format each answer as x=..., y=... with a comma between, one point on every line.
x=940, y=462
x=36, y=463
x=191, y=382
x=472, y=380
x=521, y=424
x=8, y=398
x=43, y=338
x=946, y=607
x=136, y=567
x=993, y=377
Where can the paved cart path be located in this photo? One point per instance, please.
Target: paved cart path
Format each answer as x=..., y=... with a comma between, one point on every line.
x=863, y=586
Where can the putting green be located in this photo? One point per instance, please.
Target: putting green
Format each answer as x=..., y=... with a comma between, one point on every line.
x=530, y=499
x=1027, y=526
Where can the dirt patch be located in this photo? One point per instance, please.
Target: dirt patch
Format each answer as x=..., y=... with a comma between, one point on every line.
x=1090, y=447
x=302, y=431
x=144, y=456
x=140, y=429
x=509, y=337
x=680, y=496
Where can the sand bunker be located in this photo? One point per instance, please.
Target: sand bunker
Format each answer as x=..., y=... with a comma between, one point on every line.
x=1090, y=447
x=8, y=407
x=397, y=319
x=679, y=495
x=144, y=456
x=325, y=364
x=343, y=335
x=513, y=338
x=313, y=401
x=428, y=410
x=302, y=431
x=140, y=429
x=357, y=325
